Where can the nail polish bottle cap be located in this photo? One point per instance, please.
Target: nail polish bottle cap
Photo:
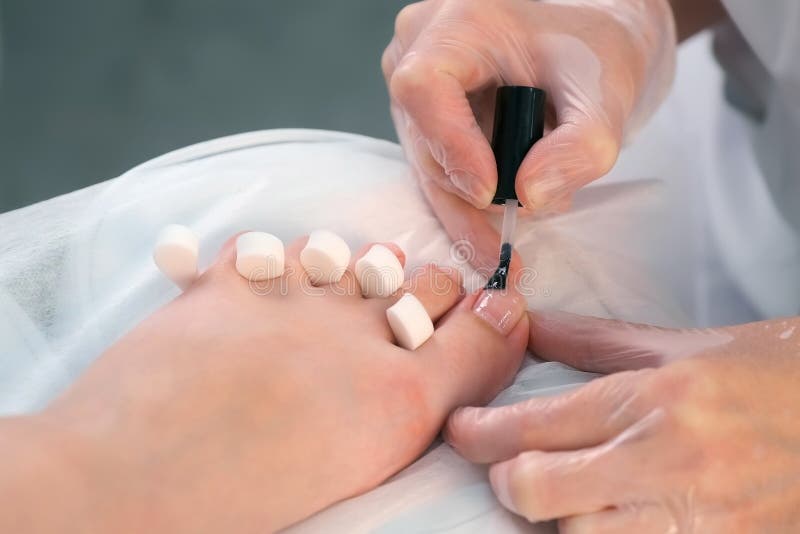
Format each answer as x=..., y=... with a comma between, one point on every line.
x=518, y=124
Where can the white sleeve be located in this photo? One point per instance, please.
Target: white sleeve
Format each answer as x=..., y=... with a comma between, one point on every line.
x=773, y=31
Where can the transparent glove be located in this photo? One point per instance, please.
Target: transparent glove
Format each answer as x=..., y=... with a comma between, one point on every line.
x=605, y=64
x=700, y=432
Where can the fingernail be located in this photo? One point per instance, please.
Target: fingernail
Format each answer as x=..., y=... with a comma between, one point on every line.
x=454, y=419
x=472, y=188
x=447, y=431
x=498, y=477
x=502, y=310
x=545, y=190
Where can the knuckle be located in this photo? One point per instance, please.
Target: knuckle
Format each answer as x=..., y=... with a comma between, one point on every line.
x=387, y=62
x=690, y=381
x=669, y=383
x=703, y=379
x=467, y=9
x=406, y=18
x=685, y=391
x=410, y=78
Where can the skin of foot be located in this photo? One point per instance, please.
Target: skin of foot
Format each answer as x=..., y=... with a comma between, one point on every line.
x=244, y=407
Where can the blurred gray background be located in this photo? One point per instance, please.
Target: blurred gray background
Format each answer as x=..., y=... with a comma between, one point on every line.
x=90, y=88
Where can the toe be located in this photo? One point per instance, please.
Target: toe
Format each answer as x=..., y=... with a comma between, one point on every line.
x=424, y=298
x=476, y=349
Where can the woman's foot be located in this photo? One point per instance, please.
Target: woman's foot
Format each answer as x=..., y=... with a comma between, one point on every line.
x=245, y=406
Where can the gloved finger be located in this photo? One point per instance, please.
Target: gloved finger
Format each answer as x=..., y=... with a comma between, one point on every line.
x=466, y=225
x=410, y=21
x=607, y=346
x=418, y=154
x=585, y=417
x=572, y=155
x=408, y=24
x=642, y=518
x=426, y=169
x=431, y=89
x=391, y=57
x=476, y=349
x=470, y=230
x=548, y=485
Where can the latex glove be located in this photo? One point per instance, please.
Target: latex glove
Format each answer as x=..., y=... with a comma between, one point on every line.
x=605, y=65
x=699, y=433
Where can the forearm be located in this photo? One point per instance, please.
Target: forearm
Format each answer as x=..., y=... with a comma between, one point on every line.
x=693, y=16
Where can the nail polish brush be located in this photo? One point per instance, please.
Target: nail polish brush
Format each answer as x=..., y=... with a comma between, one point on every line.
x=518, y=124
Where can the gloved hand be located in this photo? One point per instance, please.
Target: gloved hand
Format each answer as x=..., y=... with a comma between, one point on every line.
x=605, y=64
x=700, y=432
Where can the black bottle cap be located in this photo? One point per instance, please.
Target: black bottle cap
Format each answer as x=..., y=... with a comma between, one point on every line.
x=518, y=124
